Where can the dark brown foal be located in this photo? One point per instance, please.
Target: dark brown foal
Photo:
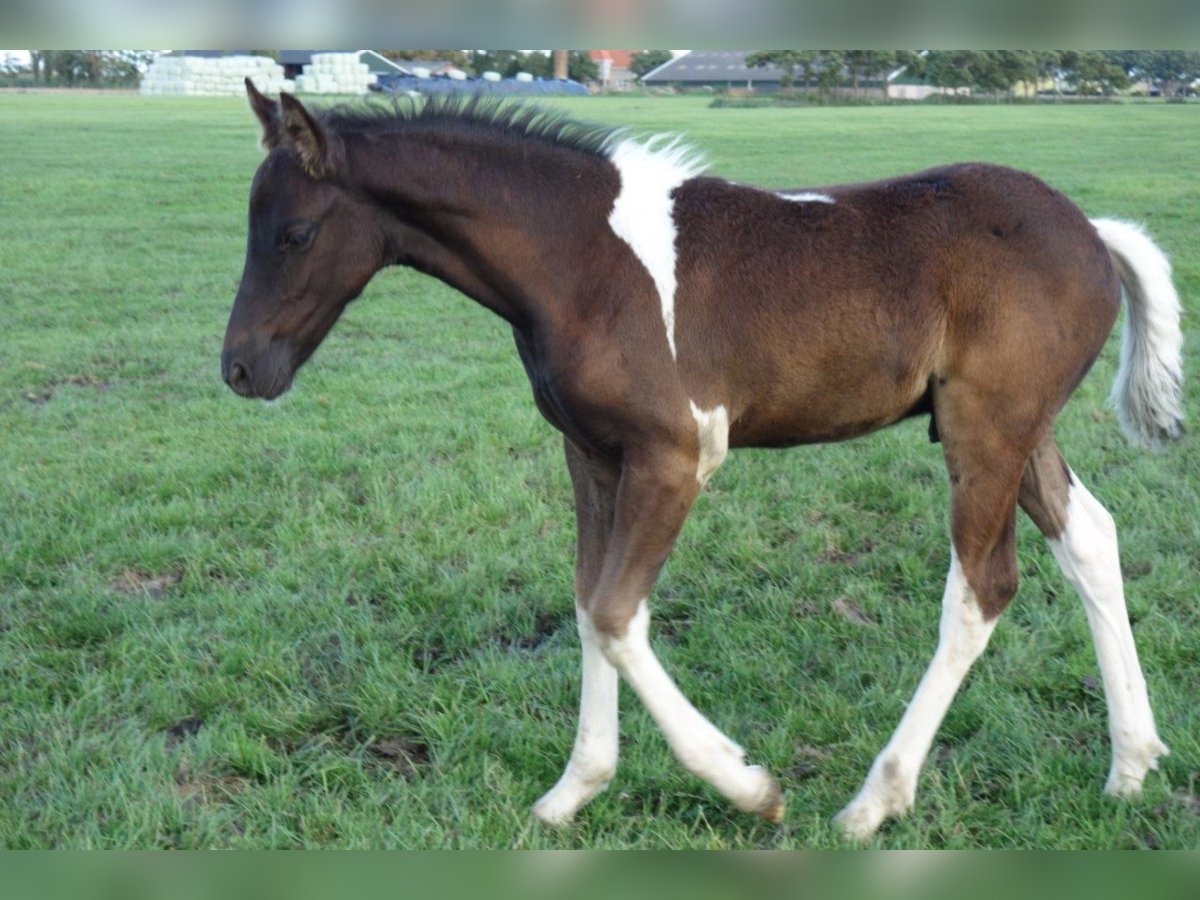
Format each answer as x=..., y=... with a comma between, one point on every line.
x=664, y=318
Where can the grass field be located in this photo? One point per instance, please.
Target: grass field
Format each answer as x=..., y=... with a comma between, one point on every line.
x=344, y=620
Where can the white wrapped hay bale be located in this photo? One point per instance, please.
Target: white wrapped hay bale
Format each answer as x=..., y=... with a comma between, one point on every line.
x=336, y=73
x=191, y=76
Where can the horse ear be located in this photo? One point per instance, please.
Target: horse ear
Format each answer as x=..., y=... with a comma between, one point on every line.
x=306, y=135
x=267, y=111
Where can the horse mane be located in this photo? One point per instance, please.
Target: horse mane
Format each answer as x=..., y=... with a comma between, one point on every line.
x=460, y=112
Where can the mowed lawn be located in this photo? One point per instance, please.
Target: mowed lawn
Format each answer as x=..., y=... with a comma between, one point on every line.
x=345, y=619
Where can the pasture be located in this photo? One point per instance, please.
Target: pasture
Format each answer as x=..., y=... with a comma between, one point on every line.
x=345, y=619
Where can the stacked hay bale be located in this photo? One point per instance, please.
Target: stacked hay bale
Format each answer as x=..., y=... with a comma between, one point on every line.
x=335, y=73
x=201, y=76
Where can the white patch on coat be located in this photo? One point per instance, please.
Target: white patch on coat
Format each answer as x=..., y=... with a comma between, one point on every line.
x=1088, y=555
x=806, y=197
x=697, y=743
x=1148, y=390
x=593, y=759
x=712, y=431
x=643, y=214
x=891, y=785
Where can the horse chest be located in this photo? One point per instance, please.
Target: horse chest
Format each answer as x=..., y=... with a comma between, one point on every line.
x=549, y=397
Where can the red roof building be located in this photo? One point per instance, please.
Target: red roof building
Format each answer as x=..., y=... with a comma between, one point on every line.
x=615, y=73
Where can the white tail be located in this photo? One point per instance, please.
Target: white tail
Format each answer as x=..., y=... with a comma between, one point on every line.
x=1148, y=391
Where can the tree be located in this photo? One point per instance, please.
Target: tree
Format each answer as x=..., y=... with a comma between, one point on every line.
x=42, y=64
x=864, y=66
x=949, y=69
x=1172, y=71
x=581, y=66
x=1047, y=64
x=538, y=63
x=506, y=62
x=645, y=61
x=824, y=67
x=786, y=60
x=1092, y=72
x=89, y=67
x=11, y=65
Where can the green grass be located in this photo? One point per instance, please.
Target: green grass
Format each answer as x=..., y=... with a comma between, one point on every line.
x=345, y=620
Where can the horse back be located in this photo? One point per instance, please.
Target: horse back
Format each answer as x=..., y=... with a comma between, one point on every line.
x=824, y=319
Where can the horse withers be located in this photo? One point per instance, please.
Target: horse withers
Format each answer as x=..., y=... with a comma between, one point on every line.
x=664, y=317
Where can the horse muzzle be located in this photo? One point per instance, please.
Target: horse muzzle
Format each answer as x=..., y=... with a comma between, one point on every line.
x=264, y=377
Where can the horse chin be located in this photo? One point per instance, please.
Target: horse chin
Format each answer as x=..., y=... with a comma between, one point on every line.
x=277, y=389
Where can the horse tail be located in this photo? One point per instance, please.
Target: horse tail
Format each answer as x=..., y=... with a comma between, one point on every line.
x=1148, y=391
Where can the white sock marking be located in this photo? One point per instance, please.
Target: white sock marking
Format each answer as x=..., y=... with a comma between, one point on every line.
x=806, y=197
x=712, y=428
x=1088, y=555
x=593, y=759
x=643, y=214
x=891, y=784
x=697, y=743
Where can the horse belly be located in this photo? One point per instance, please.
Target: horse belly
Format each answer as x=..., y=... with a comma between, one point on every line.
x=834, y=407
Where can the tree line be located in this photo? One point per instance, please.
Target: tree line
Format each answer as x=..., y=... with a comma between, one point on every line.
x=83, y=68
x=95, y=68
x=996, y=72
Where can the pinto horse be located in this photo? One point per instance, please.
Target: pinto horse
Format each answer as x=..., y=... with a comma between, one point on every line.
x=665, y=317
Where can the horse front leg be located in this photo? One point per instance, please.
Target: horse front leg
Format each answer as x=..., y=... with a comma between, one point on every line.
x=593, y=760
x=656, y=491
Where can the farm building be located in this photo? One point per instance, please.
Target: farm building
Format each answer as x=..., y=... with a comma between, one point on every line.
x=294, y=61
x=714, y=70
x=727, y=70
x=615, y=71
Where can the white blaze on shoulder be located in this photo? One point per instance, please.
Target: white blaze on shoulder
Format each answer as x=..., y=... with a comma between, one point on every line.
x=806, y=197
x=712, y=430
x=643, y=214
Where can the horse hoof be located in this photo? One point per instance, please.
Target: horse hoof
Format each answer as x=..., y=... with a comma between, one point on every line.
x=771, y=806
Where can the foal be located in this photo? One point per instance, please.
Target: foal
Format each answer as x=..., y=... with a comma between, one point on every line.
x=664, y=317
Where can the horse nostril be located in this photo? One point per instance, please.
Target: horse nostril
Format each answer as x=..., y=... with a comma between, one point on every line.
x=237, y=377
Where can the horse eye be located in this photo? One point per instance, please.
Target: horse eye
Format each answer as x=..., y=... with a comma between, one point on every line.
x=297, y=239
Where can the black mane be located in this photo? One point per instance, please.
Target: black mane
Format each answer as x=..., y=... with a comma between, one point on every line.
x=497, y=115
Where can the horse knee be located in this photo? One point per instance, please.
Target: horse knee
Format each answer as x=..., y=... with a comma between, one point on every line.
x=993, y=581
x=611, y=622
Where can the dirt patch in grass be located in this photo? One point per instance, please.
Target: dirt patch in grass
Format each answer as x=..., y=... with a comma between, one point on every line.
x=45, y=393
x=807, y=760
x=851, y=612
x=403, y=754
x=545, y=625
x=187, y=727
x=206, y=787
x=135, y=582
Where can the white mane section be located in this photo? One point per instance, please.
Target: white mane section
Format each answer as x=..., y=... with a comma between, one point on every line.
x=806, y=197
x=643, y=214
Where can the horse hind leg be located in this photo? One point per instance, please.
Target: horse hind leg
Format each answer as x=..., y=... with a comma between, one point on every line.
x=1083, y=539
x=985, y=471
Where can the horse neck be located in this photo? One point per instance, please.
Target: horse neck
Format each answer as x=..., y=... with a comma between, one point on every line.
x=492, y=217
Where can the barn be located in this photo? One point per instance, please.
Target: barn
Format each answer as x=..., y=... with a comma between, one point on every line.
x=715, y=70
